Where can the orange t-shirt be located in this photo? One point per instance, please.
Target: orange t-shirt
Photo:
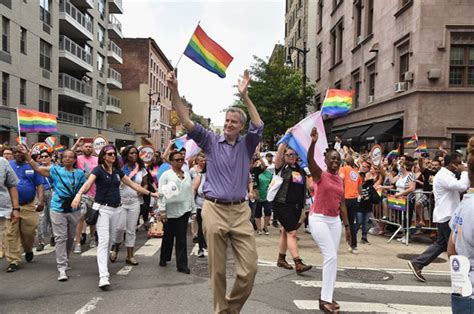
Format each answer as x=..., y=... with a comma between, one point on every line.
x=352, y=180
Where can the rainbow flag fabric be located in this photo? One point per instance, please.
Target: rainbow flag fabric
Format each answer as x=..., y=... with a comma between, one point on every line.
x=422, y=148
x=21, y=139
x=207, y=53
x=397, y=203
x=50, y=141
x=34, y=121
x=413, y=140
x=338, y=103
x=394, y=153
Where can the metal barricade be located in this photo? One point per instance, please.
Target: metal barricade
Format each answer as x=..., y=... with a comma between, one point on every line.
x=384, y=215
x=422, y=206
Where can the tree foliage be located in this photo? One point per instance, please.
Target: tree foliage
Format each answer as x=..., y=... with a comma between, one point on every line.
x=277, y=92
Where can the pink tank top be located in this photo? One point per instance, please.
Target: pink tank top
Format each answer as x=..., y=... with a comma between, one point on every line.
x=328, y=194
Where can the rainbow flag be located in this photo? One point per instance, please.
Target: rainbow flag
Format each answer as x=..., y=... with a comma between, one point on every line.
x=337, y=103
x=207, y=53
x=50, y=141
x=397, y=203
x=34, y=121
x=21, y=139
x=60, y=148
x=413, y=139
x=394, y=153
x=422, y=148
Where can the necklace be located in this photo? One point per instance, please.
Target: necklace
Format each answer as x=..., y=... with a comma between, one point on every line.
x=179, y=174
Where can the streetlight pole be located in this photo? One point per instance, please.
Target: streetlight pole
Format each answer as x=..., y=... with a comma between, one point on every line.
x=150, y=93
x=289, y=62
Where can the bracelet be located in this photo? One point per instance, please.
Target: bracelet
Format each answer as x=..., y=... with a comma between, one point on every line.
x=346, y=226
x=16, y=208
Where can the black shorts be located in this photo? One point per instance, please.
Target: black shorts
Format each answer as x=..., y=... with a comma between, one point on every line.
x=267, y=209
x=287, y=214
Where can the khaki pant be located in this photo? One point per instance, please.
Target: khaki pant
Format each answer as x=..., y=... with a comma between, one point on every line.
x=22, y=233
x=3, y=227
x=222, y=222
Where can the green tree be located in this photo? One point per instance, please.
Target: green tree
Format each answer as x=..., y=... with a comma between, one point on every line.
x=279, y=94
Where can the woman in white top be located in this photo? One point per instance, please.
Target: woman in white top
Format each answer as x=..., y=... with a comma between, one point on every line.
x=406, y=184
x=134, y=168
x=175, y=206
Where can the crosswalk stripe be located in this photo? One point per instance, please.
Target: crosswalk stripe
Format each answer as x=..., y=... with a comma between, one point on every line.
x=375, y=307
x=379, y=287
x=124, y=270
x=90, y=252
x=150, y=247
x=47, y=249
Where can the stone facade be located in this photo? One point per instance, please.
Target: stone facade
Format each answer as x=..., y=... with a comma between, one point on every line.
x=296, y=28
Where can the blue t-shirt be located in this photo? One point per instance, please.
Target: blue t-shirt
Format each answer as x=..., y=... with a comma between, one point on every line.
x=107, y=185
x=74, y=181
x=29, y=180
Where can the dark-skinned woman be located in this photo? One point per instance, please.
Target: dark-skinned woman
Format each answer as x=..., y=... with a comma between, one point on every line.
x=325, y=218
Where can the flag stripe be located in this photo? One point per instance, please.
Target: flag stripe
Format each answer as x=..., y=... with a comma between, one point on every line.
x=35, y=121
x=337, y=103
x=196, y=57
x=208, y=58
x=212, y=47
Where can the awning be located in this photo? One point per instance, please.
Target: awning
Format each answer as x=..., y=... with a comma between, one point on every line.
x=354, y=134
x=332, y=136
x=384, y=131
x=4, y=129
x=9, y=127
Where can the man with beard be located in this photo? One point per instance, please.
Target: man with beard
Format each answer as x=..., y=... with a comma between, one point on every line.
x=86, y=162
x=428, y=171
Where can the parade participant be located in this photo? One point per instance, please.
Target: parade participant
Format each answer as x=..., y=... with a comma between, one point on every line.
x=134, y=168
x=67, y=180
x=264, y=207
x=446, y=190
x=198, y=184
x=9, y=205
x=44, y=224
x=269, y=162
x=175, y=211
x=288, y=204
x=107, y=176
x=325, y=218
x=352, y=189
x=29, y=186
x=7, y=153
x=226, y=214
x=87, y=162
x=461, y=240
x=258, y=166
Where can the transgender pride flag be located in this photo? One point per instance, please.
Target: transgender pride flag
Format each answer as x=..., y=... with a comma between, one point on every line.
x=299, y=139
x=192, y=149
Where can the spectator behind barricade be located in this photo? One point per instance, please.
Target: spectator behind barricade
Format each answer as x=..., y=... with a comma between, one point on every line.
x=428, y=169
x=405, y=185
x=338, y=146
x=461, y=241
x=391, y=175
x=365, y=204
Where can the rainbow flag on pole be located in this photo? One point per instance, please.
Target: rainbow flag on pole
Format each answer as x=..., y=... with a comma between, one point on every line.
x=207, y=53
x=30, y=121
x=394, y=153
x=413, y=139
x=337, y=103
x=422, y=148
x=397, y=203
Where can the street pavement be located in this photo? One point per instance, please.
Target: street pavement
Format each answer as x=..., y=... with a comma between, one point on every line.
x=375, y=280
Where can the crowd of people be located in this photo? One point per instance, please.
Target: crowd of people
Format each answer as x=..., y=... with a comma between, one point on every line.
x=224, y=191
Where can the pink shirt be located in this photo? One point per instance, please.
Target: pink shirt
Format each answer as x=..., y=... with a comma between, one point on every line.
x=88, y=164
x=329, y=193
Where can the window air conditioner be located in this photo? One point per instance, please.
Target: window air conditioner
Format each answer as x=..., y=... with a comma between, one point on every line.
x=400, y=87
x=371, y=99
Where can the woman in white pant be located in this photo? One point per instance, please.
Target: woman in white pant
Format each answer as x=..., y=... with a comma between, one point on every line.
x=324, y=220
x=107, y=178
x=134, y=168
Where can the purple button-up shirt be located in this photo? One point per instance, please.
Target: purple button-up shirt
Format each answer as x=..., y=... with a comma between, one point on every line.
x=228, y=166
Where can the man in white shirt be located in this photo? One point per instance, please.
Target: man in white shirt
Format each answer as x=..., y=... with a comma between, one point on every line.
x=446, y=189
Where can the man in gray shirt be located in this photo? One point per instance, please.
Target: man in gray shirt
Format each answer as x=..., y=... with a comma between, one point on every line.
x=8, y=197
x=225, y=213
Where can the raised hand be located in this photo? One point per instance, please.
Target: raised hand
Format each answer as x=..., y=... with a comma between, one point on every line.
x=172, y=81
x=243, y=83
x=314, y=135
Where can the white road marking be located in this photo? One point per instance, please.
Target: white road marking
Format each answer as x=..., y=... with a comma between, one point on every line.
x=150, y=247
x=375, y=307
x=47, y=249
x=125, y=270
x=195, y=250
x=379, y=287
x=90, y=252
x=90, y=306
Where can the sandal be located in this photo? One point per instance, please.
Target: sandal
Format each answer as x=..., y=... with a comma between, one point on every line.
x=336, y=305
x=327, y=307
x=131, y=261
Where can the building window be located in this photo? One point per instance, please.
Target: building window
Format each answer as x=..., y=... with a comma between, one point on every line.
x=5, y=34
x=370, y=17
x=45, y=55
x=45, y=15
x=404, y=61
x=5, y=84
x=44, y=99
x=336, y=43
x=100, y=63
x=23, y=40
x=319, y=55
x=371, y=81
x=22, y=92
x=335, y=4
x=99, y=119
x=101, y=35
x=100, y=91
x=101, y=8
x=317, y=102
x=87, y=114
x=299, y=29
x=358, y=21
x=461, y=70
x=338, y=85
x=320, y=14
x=355, y=89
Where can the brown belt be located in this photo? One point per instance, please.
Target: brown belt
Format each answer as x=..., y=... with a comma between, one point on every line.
x=224, y=202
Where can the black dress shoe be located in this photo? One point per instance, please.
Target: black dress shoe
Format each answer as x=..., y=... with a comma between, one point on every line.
x=29, y=256
x=184, y=270
x=162, y=263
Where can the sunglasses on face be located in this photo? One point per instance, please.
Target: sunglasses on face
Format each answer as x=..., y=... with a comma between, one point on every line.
x=179, y=159
x=111, y=154
x=44, y=156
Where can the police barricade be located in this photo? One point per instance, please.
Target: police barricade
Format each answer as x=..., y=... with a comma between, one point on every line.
x=420, y=212
x=391, y=211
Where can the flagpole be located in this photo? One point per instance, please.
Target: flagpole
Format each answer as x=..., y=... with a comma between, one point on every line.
x=18, y=121
x=182, y=54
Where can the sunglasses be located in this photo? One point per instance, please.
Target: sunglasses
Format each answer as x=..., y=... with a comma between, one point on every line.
x=111, y=154
x=44, y=156
x=179, y=159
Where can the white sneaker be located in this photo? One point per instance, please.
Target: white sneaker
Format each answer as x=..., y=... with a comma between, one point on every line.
x=92, y=243
x=77, y=249
x=104, y=282
x=354, y=251
x=205, y=252
x=62, y=276
x=402, y=239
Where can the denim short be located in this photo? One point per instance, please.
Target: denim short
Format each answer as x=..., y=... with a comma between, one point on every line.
x=462, y=305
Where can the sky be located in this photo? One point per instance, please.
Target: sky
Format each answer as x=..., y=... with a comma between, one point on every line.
x=242, y=27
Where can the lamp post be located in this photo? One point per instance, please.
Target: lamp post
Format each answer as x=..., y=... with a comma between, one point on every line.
x=289, y=62
x=150, y=93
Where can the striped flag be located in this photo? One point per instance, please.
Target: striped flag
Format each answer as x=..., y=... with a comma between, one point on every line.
x=413, y=139
x=394, y=153
x=337, y=103
x=192, y=149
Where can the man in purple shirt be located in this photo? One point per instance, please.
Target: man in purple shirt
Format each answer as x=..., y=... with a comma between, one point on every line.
x=225, y=213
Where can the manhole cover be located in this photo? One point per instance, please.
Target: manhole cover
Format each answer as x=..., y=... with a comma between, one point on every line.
x=201, y=270
x=368, y=275
x=410, y=257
